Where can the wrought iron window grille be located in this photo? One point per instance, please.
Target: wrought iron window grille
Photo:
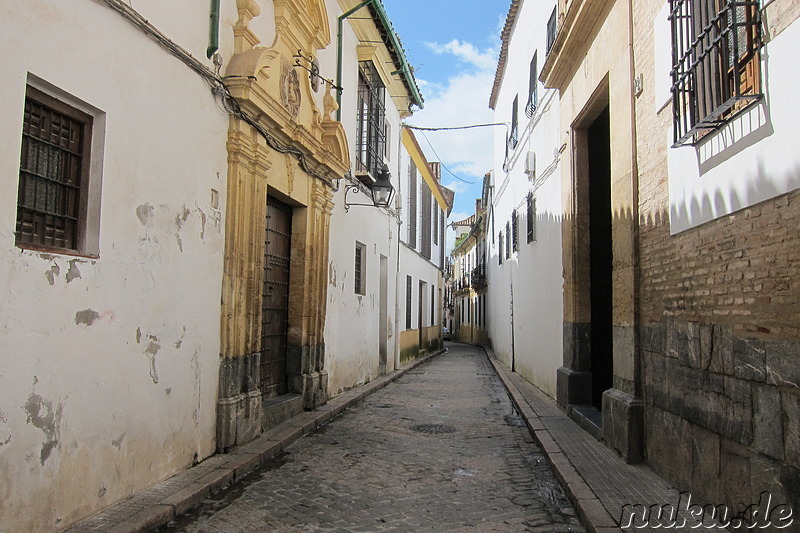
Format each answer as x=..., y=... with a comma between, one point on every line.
x=716, y=64
x=552, y=30
x=370, y=137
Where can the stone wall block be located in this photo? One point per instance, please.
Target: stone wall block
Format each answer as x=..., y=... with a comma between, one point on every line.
x=678, y=381
x=767, y=421
x=669, y=446
x=783, y=363
x=677, y=340
x=577, y=346
x=734, y=475
x=790, y=404
x=722, y=350
x=294, y=362
x=691, y=355
x=655, y=379
x=230, y=377
x=227, y=416
x=737, y=423
x=623, y=424
x=248, y=423
x=652, y=337
x=706, y=345
x=705, y=465
x=778, y=480
x=749, y=359
x=251, y=372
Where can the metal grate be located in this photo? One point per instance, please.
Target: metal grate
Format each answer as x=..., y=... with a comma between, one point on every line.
x=531, y=219
x=552, y=30
x=359, y=268
x=514, y=230
x=370, y=142
x=533, y=92
x=716, y=63
x=53, y=162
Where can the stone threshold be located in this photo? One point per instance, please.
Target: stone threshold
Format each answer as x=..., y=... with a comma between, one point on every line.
x=158, y=505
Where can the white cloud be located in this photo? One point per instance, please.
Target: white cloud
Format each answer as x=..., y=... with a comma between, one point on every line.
x=458, y=186
x=461, y=100
x=484, y=60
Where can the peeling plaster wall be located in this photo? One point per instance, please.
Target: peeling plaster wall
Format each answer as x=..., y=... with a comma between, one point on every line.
x=533, y=273
x=109, y=365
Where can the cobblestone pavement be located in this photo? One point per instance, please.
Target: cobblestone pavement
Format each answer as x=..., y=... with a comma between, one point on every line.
x=440, y=449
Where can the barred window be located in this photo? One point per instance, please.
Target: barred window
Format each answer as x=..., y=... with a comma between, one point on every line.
x=360, y=270
x=408, y=302
x=500, y=249
x=53, y=174
x=716, y=63
x=412, y=204
x=531, y=205
x=435, y=216
x=513, y=135
x=425, y=245
x=533, y=92
x=370, y=137
x=552, y=30
x=514, y=230
x=508, y=241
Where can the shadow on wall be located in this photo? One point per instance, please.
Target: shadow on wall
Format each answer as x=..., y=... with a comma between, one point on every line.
x=745, y=130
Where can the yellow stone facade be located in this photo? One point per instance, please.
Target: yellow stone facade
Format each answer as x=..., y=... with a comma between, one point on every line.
x=283, y=146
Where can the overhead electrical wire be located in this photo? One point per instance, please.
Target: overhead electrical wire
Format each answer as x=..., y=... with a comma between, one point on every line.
x=423, y=129
x=442, y=163
x=409, y=126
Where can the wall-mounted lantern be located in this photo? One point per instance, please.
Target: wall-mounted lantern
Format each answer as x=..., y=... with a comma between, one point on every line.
x=382, y=190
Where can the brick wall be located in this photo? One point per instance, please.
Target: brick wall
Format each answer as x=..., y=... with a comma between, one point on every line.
x=720, y=328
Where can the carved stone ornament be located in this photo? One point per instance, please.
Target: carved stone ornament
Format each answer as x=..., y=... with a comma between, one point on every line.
x=290, y=89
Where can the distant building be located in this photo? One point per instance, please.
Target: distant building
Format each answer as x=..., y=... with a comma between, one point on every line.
x=469, y=277
x=425, y=204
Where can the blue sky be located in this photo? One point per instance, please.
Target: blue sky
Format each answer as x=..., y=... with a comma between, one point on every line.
x=453, y=45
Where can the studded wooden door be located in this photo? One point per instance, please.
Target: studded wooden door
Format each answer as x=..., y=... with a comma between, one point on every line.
x=275, y=298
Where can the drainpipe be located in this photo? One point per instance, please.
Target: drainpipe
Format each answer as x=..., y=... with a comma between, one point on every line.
x=213, y=29
x=339, y=38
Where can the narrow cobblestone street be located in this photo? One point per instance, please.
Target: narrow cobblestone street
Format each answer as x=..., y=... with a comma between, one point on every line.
x=440, y=449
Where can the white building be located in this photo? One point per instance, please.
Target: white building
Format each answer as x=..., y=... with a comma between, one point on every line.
x=111, y=235
x=425, y=204
x=524, y=204
x=361, y=332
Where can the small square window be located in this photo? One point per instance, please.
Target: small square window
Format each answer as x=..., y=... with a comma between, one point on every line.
x=360, y=268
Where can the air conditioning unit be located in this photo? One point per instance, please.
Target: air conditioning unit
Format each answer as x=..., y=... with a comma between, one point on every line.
x=530, y=165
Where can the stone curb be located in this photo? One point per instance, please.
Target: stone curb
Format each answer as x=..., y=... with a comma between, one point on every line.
x=588, y=506
x=162, y=503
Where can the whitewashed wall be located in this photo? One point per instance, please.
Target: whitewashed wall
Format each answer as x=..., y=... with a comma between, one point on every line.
x=104, y=360
x=532, y=277
x=352, y=320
